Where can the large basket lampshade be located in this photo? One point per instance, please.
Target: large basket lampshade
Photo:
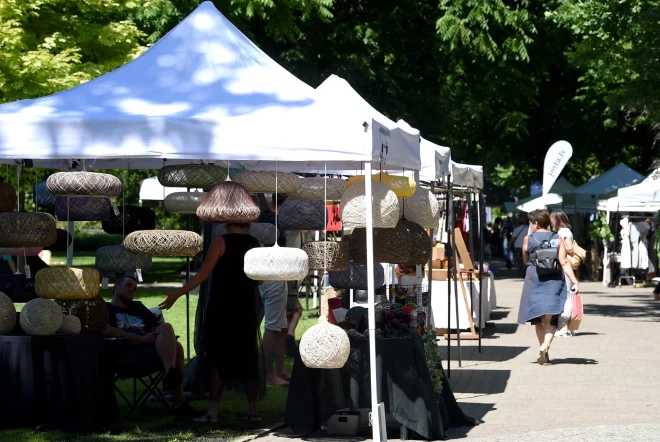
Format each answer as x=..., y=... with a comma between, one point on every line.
x=93, y=313
x=385, y=206
x=421, y=208
x=327, y=255
x=275, y=264
x=192, y=175
x=7, y=197
x=17, y=287
x=41, y=317
x=320, y=188
x=264, y=232
x=42, y=197
x=402, y=186
x=129, y=220
x=228, y=202
x=84, y=184
x=164, y=243
x=67, y=283
x=355, y=277
x=27, y=229
x=302, y=215
x=183, y=202
x=7, y=314
x=83, y=209
x=407, y=243
x=325, y=345
x=265, y=182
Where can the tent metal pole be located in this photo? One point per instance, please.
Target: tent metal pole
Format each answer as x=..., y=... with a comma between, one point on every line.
x=480, y=231
x=450, y=215
x=429, y=319
x=188, y=297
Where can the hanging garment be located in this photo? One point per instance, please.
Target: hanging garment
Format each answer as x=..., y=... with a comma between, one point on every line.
x=643, y=246
x=635, y=237
x=625, y=244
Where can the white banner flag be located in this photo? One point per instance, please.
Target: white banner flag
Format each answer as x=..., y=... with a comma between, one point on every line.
x=554, y=163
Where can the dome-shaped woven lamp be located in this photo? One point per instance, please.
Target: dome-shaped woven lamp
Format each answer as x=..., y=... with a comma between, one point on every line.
x=325, y=346
x=42, y=197
x=265, y=182
x=302, y=215
x=275, y=264
x=183, y=202
x=402, y=186
x=7, y=197
x=133, y=218
x=111, y=260
x=421, y=208
x=20, y=251
x=192, y=175
x=93, y=313
x=89, y=184
x=7, y=314
x=41, y=317
x=17, y=287
x=27, y=229
x=264, y=232
x=419, y=243
x=407, y=243
x=62, y=242
x=82, y=209
x=319, y=188
x=164, y=243
x=67, y=283
x=327, y=255
x=71, y=325
x=384, y=203
x=228, y=202
x=355, y=277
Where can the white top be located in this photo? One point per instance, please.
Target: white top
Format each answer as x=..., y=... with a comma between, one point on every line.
x=565, y=233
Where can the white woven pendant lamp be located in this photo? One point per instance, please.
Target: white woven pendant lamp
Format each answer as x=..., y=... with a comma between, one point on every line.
x=385, y=206
x=89, y=184
x=325, y=346
x=41, y=317
x=422, y=208
x=276, y=264
x=164, y=243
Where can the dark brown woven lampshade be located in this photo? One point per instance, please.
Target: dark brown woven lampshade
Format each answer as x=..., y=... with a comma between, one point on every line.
x=17, y=287
x=87, y=184
x=228, y=202
x=93, y=313
x=302, y=215
x=327, y=255
x=192, y=175
x=133, y=218
x=7, y=197
x=355, y=277
x=407, y=243
x=42, y=197
x=27, y=229
x=83, y=209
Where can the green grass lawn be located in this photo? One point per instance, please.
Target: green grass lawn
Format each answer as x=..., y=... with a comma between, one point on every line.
x=149, y=422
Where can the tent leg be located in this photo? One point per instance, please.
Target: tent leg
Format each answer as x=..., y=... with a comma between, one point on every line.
x=480, y=232
x=450, y=216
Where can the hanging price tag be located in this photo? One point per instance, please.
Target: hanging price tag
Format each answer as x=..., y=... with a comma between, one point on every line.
x=115, y=208
x=28, y=273
x=104, y=282
x=139, y=274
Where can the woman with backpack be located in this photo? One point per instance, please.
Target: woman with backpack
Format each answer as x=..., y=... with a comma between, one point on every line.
x=544, y=289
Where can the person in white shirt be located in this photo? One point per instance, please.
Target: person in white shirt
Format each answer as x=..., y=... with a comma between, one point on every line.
x=562, y=225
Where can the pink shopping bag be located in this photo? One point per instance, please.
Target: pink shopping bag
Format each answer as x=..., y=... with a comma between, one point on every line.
x=577, y=313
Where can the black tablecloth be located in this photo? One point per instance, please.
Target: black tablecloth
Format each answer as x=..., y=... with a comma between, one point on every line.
x=64, y=380
x=404, y=386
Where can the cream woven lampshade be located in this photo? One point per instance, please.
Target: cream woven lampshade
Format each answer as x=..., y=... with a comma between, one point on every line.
x=192, y=175
x=320, y=188
x=183, y=202
x=302, y=215
x=20, y=251
x=71, y=325
x=89, y=184
x=276, y=264
x=325, y=346
x=355, y=277
x=83, y=209
x=384, y=203
x=41, y=317
x=256, y=182
x=7, y=314
x=112, y=260
x=67, y=283
x=42, y=197
x=264, y=232
x=27, y=229
x=164, y=243
x=407, y=243
x=422, y=208
x=327, y=255
x=7, y=197
x=402, y=186
x=228, y=202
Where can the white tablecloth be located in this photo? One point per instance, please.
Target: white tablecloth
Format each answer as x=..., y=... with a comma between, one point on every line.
x=439, y=303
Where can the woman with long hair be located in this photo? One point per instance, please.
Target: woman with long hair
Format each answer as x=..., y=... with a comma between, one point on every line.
x=562, y=226
x=546, y=293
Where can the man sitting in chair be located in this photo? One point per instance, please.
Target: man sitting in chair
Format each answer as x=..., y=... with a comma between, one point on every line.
x=148, y=339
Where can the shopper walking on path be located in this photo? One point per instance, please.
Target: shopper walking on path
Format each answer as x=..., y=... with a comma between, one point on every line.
x=562, y=225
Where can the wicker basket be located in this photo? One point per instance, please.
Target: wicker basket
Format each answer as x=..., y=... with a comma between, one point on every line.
x=401, y=185
x=302, y=215
x=71, y=325
x=183, y=202
x=7, y=314
x=7, y=197
x=112, y=260
x=41, y=317
x=327, y=255
x=355, y=277
x=422, y=208
x=256, y=182
x=320, y=188
x=407, y=243
x=42, y=197
x=275, y=264
x=264, y=232
x=192, y=175
x=93, y=313
x=27, y=229
x=325, y=346
x=67, y=283
x=88, y=184
x=17, y=287
x=384, y=203
x=133, y=218
x=62, y=242
x=164, y=243
x=83, y=209
x=228, y=202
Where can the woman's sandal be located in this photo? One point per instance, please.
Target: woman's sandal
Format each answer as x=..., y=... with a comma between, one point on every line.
x=542, y=355
x=207, y=419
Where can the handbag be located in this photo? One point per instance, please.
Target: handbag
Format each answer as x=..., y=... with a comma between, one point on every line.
x=577, y=256
x=577, y=313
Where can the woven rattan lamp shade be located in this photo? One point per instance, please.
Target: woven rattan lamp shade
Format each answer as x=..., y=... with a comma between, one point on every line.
x=130, y=219
x=275, y=264
x=42, y=197
x=27, y=229
x=183, y=202
x=264, y=232
x=402, y=186
x=111, y=260
x=302, y=215
x=82, y=209
x=41, y=317
x=71, y=325
x=407, y=243
x=228, y=202
x=191, y=175
x=327, y=255
x=319, y=188
x=355, y=277
x=7, y=197
x=7, y=314
x=265, y=182
x=93, y=313
x=422, y=208
x=20, y=251
x=164, y=243
x=89, y=184
x=62, y=242
x=68, y=283
x=384, y=203
x=17, y=287
x=325, y=346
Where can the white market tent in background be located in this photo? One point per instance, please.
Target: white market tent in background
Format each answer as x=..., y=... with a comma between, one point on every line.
x=467, y=175
x=540, y=202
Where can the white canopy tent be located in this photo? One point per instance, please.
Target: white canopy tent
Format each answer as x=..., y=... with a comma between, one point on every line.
x=540, y=203
x=467, y=175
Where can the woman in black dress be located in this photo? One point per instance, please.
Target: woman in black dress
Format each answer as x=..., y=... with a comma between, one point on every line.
x=230, y=324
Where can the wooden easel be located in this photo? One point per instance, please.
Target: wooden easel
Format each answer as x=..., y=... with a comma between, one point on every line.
x=468, y=268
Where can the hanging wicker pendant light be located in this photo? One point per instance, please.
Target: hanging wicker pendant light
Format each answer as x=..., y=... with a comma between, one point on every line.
x=384, y=203
x=421, y=208
x=7, y=197
x=355, y=277
x=320, y=188
x=192, y=175
x=17, y=287
x=183, y=202
x=264, y=232
x=327, y=255
x=302, y=215
x=164, y=243
x=407, y=243
x=275, y=264
x=111, y=260
x=83, y=209
x=87, y=184
x=7, y=314
x=256, y=182
x=67, y=283
x=325, y=346
x=41, y=317
x=129, y=220
x=27, y=229
x=228, y=202
x=42, y=197
x=402, y=186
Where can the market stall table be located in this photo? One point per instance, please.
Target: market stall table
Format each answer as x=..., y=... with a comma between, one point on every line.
x=439, y=302
x=404, y=385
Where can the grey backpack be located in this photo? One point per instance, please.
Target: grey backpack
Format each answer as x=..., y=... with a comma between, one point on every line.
x=545, y=258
